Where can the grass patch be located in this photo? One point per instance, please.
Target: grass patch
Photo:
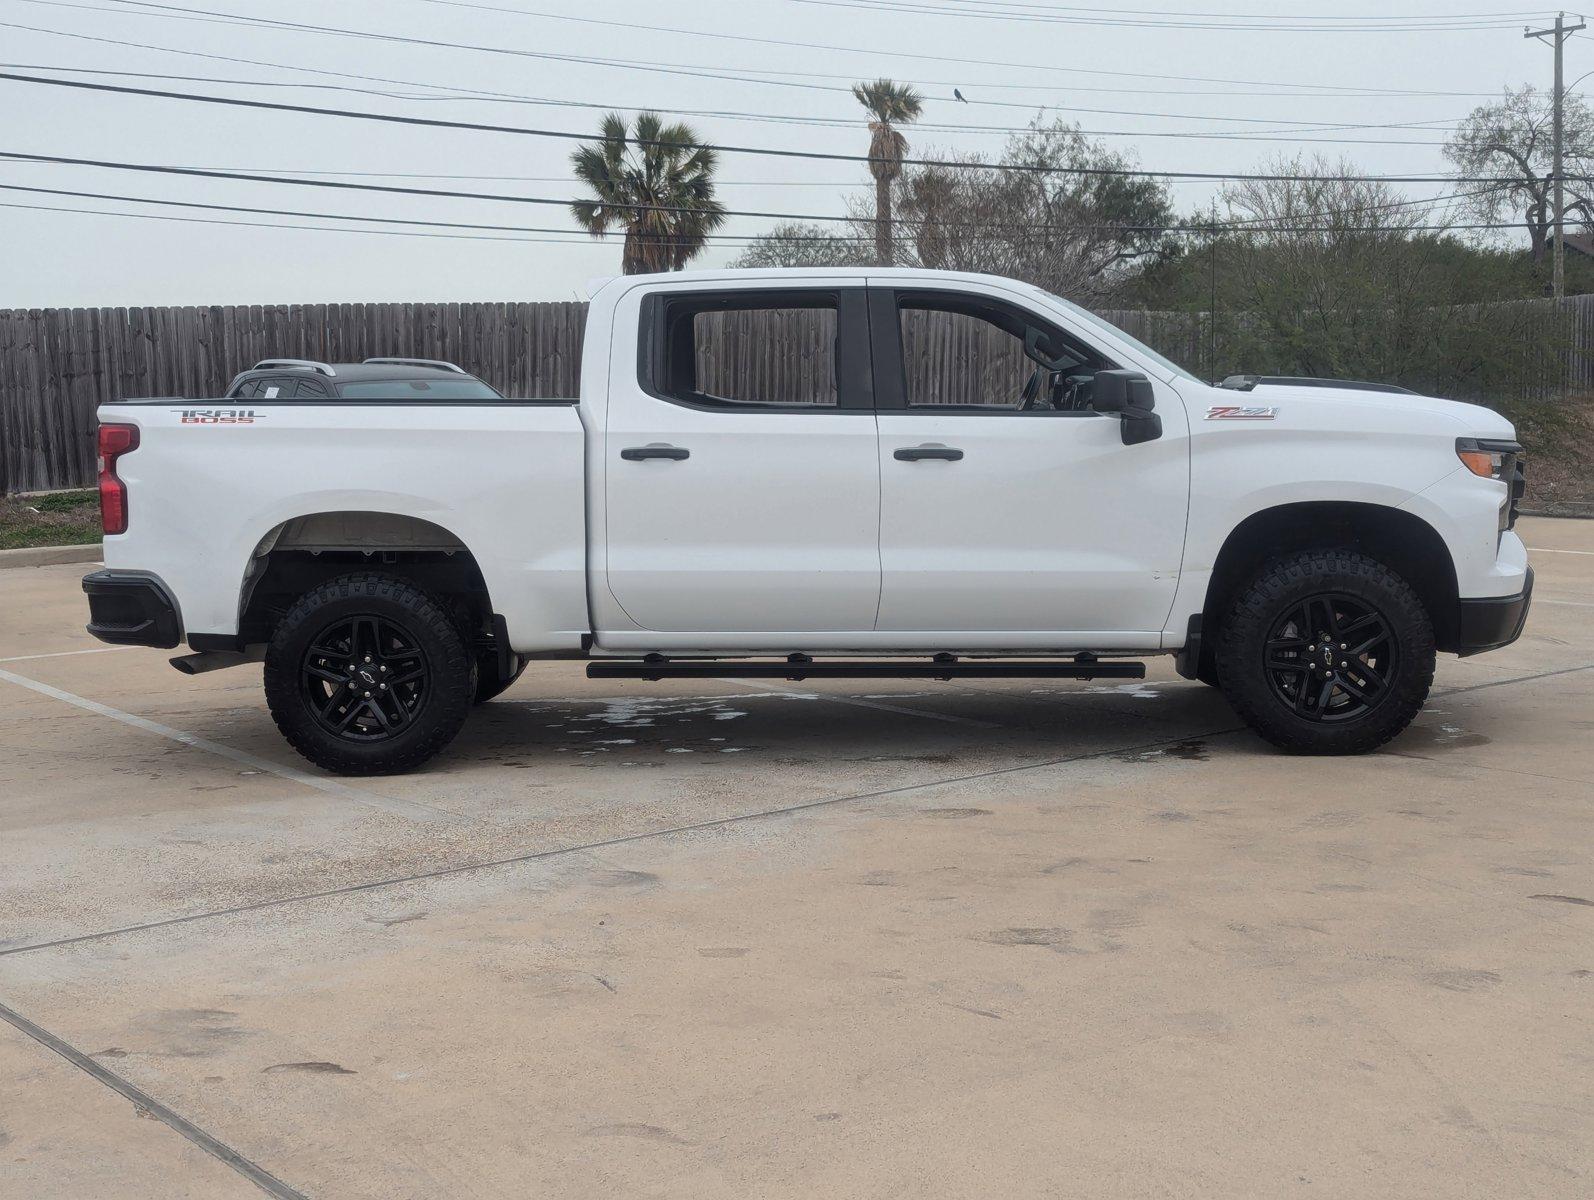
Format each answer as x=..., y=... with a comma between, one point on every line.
x=57, y=519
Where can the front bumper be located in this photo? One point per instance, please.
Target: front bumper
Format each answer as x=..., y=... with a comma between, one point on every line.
x=131, y=610
x=1494, y=622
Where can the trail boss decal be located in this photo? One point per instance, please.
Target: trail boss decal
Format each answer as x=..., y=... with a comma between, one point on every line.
x=1241, y=412
x=217, y=416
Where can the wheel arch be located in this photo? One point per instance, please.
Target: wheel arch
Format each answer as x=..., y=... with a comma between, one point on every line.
x=1404, y=542
x=298, y=553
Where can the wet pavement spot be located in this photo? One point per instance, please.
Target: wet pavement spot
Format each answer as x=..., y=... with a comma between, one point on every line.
x=956, y=814
x=1463, y=981
x=1027, y=935
x=389, y=922
x=1562, y=899
x=650, y=1133
x=978, y=1012
x=625, y=878
x=311, y=1068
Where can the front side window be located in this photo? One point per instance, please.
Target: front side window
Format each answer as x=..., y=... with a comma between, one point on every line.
x=742, y=349
x=966, y=352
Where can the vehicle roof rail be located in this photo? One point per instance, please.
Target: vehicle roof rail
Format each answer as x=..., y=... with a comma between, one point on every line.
x=435, y=363
x=294, y=364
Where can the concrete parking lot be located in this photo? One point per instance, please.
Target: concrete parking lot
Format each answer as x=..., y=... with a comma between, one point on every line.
x=720, y=938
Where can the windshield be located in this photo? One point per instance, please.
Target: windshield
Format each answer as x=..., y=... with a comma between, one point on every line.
x=418, y=389
x=1101, y=323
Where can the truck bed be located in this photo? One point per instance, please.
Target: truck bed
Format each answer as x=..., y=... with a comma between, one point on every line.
x=213, y=483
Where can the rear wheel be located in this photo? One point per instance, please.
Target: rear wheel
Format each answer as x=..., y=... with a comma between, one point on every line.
x=1327, y=652
x=368, y=675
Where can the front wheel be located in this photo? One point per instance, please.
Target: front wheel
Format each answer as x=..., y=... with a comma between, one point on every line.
x=368, y=675
x=1327, y=652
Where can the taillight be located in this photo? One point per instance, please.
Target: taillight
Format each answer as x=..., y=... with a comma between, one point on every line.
x=115, y=441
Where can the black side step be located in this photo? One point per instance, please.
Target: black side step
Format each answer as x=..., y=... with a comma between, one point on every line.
x=800, y=666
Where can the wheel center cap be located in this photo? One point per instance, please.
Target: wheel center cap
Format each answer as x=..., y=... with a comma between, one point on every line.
x=367, y=674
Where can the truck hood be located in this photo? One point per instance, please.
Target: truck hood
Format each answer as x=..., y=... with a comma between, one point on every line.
x=1469, y=420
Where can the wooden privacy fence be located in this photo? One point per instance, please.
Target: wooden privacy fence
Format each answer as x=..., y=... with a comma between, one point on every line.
x=58, y=365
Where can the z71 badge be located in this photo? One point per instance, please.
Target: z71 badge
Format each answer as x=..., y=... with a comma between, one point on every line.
x=217, y=416
x=1241, y=412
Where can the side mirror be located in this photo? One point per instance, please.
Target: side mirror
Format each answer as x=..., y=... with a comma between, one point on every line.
x=1129, y=394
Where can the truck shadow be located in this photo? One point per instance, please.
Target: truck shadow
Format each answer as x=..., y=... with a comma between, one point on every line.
x=797, y=726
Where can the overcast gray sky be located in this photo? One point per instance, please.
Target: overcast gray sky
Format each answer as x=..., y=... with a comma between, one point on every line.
x=1010, y=58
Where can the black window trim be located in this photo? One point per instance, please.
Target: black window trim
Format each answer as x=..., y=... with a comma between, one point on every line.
x=890, y=371
x=854, y=374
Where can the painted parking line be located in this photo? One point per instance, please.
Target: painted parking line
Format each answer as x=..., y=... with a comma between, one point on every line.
x=69, y=653
x=1547, y=550
x=413, y=809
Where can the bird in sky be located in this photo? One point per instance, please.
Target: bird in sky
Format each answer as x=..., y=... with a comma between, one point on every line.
x=958, y=96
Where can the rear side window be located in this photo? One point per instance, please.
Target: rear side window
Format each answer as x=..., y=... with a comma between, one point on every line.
x=747, y=349
x=418, y=389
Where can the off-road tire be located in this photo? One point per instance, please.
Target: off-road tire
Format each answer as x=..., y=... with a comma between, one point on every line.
x=1289, y=581
x=450, y=673
x=490, y=683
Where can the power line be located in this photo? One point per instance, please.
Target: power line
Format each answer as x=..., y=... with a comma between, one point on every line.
x=577, y=238
x=876, y=53
x=316, y=228
x=768, y=151
x=211, y=16
x=920, y=8
x=596, y=243
x=1248, y=224
x=1290, y=134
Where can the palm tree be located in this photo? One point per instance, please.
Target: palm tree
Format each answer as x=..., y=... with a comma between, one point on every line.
x=890, y=104
x=657, y=184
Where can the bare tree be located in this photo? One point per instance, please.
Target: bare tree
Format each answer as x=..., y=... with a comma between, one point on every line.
x=1053, y=209
x=795, y=244
x=1512, y=140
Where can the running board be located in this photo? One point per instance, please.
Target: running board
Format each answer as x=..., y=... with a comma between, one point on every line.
x=800, y=666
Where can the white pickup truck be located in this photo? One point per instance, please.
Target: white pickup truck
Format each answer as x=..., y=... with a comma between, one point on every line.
x=809, y=473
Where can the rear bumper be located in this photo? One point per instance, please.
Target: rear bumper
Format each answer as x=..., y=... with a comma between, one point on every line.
x=128, y=609
x=1494, y=622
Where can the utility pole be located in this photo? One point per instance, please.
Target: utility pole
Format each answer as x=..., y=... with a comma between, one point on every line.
x=1560, y=33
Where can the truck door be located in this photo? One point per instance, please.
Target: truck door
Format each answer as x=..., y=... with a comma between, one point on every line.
x=742, y=483
x=1007, y=505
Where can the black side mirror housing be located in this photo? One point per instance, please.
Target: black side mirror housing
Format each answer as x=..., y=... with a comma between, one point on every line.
x=1129, y=394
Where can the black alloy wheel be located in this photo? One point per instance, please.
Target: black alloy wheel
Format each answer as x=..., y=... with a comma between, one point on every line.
x=366, y=674
x=1331, y=657
x=365, y=678
x=1325, y=651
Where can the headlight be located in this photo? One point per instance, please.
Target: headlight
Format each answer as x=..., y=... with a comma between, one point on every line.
x=1497, y=460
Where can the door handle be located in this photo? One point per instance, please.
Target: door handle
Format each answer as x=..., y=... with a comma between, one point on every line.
x=918, y=453
x=638, y=453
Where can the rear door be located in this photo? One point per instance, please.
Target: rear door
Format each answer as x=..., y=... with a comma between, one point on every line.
x=742, y=483
x=1007, y=506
